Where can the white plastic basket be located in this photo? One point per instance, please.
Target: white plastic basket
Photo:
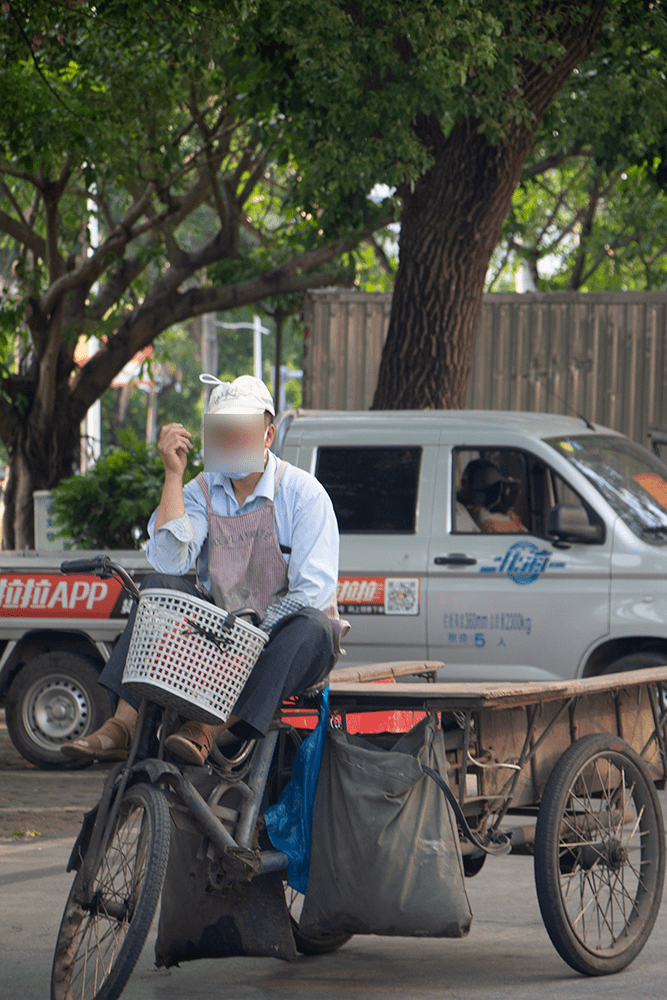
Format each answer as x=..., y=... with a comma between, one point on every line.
x=175, y=660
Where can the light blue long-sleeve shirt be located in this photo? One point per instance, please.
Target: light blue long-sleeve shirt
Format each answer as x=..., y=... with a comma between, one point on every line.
x=304, y=519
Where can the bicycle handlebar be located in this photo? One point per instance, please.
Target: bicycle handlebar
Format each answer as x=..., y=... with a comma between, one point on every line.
x=83, y=565
x=103, y=567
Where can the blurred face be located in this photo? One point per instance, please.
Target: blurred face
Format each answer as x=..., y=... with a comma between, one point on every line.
x=234, y=444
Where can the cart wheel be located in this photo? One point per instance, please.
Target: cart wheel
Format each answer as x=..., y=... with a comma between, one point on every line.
x=599, y=855
x=104, y=928
x=310, y=944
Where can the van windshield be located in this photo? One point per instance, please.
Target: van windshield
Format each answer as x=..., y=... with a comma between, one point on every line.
x=631, y=479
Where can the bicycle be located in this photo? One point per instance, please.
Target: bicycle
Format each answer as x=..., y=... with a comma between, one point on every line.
x=121, y=853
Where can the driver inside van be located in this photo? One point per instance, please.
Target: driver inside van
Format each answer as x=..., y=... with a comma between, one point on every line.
x=489, y=497
x=262, y=534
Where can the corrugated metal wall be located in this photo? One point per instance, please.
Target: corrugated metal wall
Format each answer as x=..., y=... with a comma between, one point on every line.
x=603, y=352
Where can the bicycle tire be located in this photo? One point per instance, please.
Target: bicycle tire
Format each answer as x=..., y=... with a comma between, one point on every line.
x=599, y=855
x=101, y=937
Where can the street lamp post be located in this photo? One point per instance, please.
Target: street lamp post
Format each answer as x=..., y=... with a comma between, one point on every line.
x=257, y=331
x=211, y=349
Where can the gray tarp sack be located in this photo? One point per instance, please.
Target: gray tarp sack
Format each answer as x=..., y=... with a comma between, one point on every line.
x=249, y=919
x=385, y=854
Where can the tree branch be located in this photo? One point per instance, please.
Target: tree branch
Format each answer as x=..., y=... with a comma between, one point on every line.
x=549, y=162
x=15, y=205
x=541, y=81
x=550, y=218
x=255, y=174
x=220, y=205
x=385, y=263
x=91, y=267
x=155, y=315
x=7, y=167
x=23, y=233
x=119, y=281
x=165, y=305
x=500, y=270
x=586, y=229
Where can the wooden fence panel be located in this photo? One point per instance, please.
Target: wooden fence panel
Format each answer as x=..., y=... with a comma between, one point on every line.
x=603, y=353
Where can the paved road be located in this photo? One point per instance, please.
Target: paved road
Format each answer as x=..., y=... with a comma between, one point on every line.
x=507, y=954
x=48, y=802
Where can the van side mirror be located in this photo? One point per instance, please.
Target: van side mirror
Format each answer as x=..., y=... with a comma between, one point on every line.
x=568, y=522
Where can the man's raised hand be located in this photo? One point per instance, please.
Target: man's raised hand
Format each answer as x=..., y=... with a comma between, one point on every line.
x=173, y=447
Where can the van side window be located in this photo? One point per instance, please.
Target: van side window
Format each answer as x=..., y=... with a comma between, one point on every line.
x=373, y=490
x=506, y=490
x=491, y=492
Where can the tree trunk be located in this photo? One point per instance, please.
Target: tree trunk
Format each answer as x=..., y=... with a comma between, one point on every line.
x=576, y=278
x=122, y=405
x=37, y=462
x=450, y=226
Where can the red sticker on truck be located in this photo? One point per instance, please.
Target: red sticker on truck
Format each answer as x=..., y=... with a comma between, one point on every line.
x=378, y=595
x=52, y=595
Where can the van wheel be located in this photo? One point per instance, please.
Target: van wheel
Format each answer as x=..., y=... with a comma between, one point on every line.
x=643, y=659
x=55, y=698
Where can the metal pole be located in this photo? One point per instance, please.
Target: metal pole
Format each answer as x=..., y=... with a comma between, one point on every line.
x=257, y=346
x=209, y=351
x=279, y=318
x=151, y=415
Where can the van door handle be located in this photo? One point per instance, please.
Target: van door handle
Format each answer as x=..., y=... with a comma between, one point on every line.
x=455, y=559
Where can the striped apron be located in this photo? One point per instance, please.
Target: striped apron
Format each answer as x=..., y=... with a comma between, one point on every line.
x=245, y=564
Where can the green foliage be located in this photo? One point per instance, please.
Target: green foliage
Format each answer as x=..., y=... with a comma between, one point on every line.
x=353, y=81
x=591, y=210
x=582, y=226
x=109, y=507
x=257, y=130
x=175, y=366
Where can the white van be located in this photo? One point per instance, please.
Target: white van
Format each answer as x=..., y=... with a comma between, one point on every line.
x=567, y=577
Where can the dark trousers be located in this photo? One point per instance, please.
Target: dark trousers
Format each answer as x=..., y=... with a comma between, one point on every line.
x=300, y=652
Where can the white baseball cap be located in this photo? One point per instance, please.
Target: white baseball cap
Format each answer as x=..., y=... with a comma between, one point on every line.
x=245, y=395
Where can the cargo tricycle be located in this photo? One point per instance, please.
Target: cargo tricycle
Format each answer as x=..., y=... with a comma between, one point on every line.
x=565, y=770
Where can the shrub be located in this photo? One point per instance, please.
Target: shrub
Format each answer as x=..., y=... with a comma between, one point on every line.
x=110, y=505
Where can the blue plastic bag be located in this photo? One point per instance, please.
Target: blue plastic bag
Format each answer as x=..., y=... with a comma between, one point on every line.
x=289, y=821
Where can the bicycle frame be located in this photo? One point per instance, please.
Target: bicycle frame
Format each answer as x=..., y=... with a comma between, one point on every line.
x=234, y=853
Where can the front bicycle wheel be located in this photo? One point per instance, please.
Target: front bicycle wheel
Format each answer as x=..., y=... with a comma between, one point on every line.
x=599, y=855
x=104, y=927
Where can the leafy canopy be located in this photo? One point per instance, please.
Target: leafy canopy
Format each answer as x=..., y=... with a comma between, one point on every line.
x=361, y=83
x=593, y=197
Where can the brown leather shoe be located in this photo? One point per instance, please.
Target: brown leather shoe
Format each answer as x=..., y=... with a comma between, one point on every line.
x=193, y=741
x=96, y=746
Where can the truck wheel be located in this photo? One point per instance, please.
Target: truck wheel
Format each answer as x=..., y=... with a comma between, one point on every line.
x=55, y=698
x=643, y=659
